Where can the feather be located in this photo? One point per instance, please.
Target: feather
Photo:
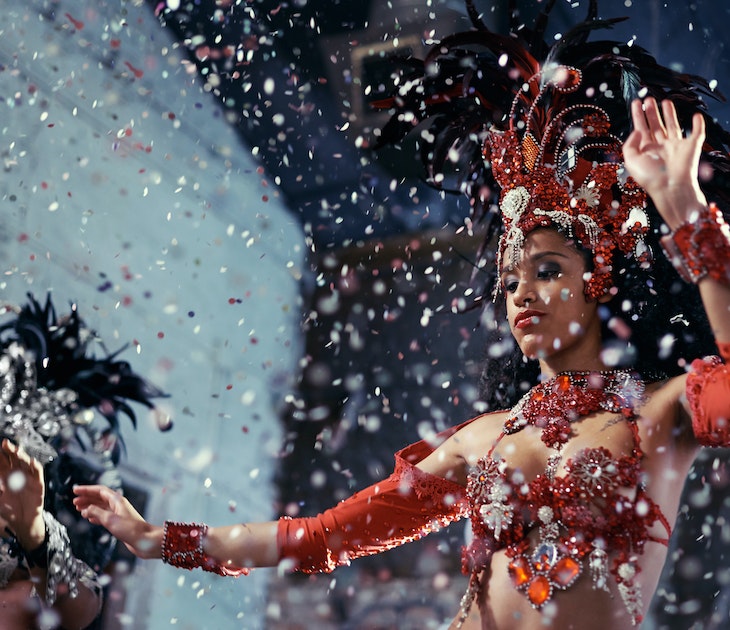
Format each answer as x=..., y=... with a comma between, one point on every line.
x=60, y=348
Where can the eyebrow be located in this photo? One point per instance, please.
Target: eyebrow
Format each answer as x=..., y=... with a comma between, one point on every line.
x=534, y=258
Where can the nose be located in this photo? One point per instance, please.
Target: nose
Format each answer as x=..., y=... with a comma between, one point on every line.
x=524, y=294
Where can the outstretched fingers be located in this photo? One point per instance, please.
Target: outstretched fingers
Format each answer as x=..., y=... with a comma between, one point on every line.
x=95, y=493
x=671, y=122
x=638, y=117
x=14, y=455
x=647, y=125
x=698, y=129
x=95, y=501
x=655, y=123
x=103, y=506
x=654, y=120
x=19, y=460
x=96, y=515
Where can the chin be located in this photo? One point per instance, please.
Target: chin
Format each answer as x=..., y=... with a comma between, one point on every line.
x=533, y=349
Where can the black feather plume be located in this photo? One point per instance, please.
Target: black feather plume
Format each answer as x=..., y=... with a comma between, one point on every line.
x=61, y=348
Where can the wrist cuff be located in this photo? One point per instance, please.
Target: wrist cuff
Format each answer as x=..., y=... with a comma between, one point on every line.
x=182, y=546
x=700, y=247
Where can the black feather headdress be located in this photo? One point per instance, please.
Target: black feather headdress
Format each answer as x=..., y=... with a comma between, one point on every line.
x=51, y=383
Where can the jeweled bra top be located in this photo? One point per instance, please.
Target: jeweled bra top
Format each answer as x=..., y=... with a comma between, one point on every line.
x=582, y=517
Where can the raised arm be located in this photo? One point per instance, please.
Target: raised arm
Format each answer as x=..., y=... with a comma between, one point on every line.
x=666, y=165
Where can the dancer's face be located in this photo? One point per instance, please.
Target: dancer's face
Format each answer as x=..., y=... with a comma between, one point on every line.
x=549, y=315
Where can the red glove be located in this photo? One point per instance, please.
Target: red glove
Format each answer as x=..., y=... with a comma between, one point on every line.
x=404, y=507
x=708, y=394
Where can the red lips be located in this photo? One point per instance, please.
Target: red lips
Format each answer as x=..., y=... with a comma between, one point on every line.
x=527, y=318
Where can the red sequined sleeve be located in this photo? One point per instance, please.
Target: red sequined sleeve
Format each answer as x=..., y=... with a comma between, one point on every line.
x=708, y=395
x=404, y=507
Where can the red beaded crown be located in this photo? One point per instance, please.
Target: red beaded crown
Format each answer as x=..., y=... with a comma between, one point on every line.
x=565, y=170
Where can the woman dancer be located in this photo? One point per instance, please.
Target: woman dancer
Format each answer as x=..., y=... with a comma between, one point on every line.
x=51, y=561
x=572, y=493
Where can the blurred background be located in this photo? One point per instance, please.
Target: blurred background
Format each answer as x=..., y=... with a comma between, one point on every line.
x=199, y=178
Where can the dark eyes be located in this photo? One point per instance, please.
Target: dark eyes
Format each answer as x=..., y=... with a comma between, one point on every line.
x=510, y=286
x=544, y=272
x=548, y=271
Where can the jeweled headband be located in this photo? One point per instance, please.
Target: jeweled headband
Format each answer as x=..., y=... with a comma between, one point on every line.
x=533, y=134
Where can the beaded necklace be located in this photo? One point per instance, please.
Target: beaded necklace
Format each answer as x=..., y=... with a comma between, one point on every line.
x=556, y=403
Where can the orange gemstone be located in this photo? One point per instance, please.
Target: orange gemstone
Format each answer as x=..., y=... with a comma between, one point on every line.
x=520, y=571
x=539, y=590
x=565, y=571
x=563, y=382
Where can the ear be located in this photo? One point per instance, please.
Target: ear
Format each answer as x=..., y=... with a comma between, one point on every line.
x=605, y=298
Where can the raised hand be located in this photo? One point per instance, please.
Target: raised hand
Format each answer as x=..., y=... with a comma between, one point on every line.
x=103, y=506
x=22, y=491
x=663, y=161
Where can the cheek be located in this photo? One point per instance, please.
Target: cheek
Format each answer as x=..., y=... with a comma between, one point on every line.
x=557, y=296
x=574, y=328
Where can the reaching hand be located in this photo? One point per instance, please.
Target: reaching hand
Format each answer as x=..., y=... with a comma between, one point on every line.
x=22, y=490
x=103, y=506
x=664, y=162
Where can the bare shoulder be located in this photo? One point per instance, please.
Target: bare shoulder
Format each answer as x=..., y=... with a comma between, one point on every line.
x=666, y=392
x=669, y=393
x=479, y=435
x=451, y=459
x=662, y=415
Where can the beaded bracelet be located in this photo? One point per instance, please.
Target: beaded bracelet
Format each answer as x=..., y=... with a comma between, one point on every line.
x=700, y=247
x=182, y=546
